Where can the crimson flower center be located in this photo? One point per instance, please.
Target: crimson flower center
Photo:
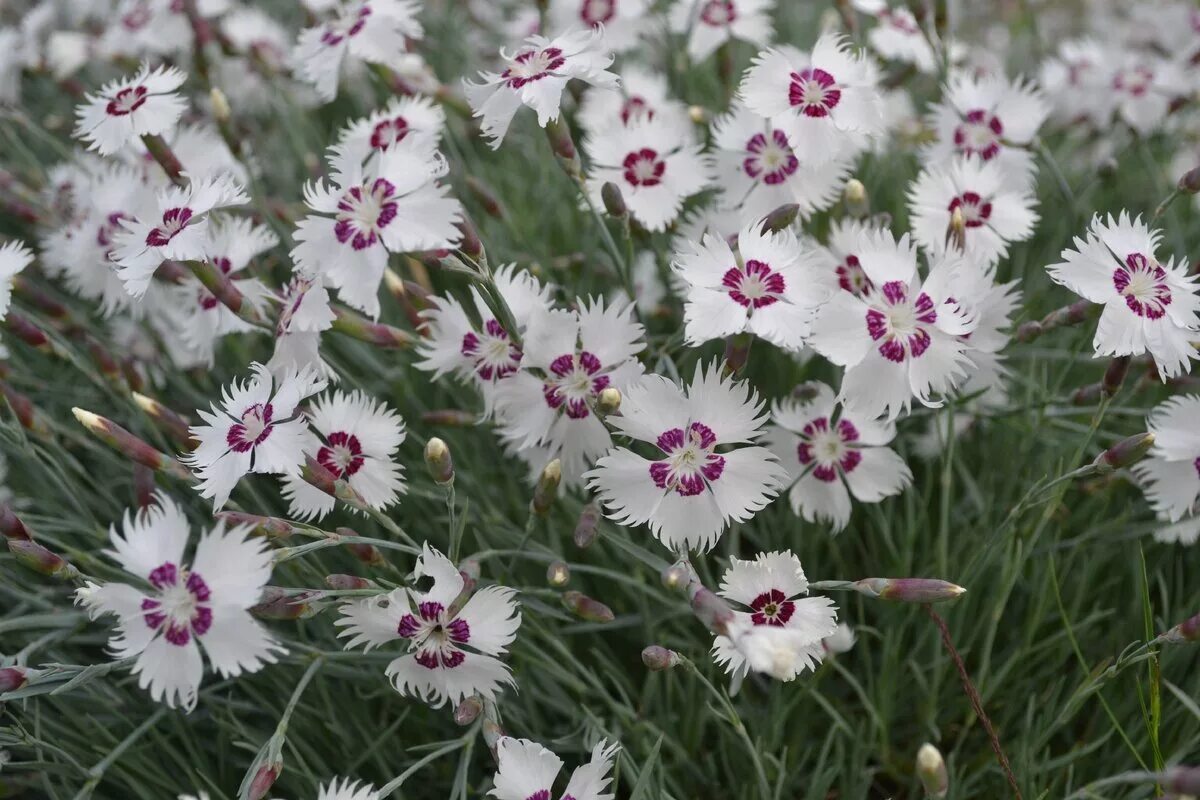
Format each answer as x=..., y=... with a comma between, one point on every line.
x=772, y=159
x=975, y=209
x=1142, y=281
x=573, y=380
x=493, y=355
x=899, y=325
x=979, y=134
x=389, y=132
x=828, y=447
x=690, y=462
x=853, y=278
x=254, y=428
x=533, y=65
x=435, y=635
x=814, y=92
x=126, y=101
x=363, y=212
x=174, y=220
x=341, y=454
x=180, y=608
x=755, y=286
x=1134, y=80
x=718, y=13
x=772, y=607
x=644, y=167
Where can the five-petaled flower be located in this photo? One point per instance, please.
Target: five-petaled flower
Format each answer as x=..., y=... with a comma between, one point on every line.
x=1170, y=474
x=146, y=104
x=375, y=31
x=526, y=771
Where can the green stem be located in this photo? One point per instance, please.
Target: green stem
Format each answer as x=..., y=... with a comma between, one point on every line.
x=399, y=780
x=734, y=719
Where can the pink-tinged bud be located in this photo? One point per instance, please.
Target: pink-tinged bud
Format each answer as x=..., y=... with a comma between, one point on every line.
x=1182, y=780
x=468, y=710
x=368, y=554
x=28, y=333
x=342, y=582
x=41, y=560
x=11, y=526
x=546, y=491
x=12, y=678
x=264, y=779
x=23, y=409
x=1124, y=453
x=1114, y=375
x=658, y=658
x=272, y=527
x=676, y=577
x=471, y=245
x=563, y=146
x=439, y=462
x=614, y=203
x=587, y=526
x=586, y=608
x=781, y=218
x=931, y=768
x=363, y=329
x=175, y=425
x=486, y=197
x=471, y=569
x=144, y=487
x=221, y=287
x=737, y=352
x=1028, y=331
x=558, y=574
x=1077, y=312
x=319, y=476
x=129, y=445
x=1087, y=395
x=1186, y=631
x=161, y=152
x=1189, y=182
x=908, y=590
x=710, y=608
x=450, y=418
x=277, y=603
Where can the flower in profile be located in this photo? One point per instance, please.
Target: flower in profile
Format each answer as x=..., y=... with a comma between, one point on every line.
x=656, y=164
x=526, y=770
x=374, y=31
x=1170, y=474
x=257, y=428
x=180, y=609
x=771, y=287
x=569, y=357
x=413, y=122
x=711, y=23
x=622, y=21
x=827, y=103
x=355, y=438
x=831, y=454
x=994, y=213
x=641, y=94
x=902, y=340
x=345, y=789
x=126, y=109
x=1149, y=306
x=14, y=257
x=175, y=228
x=361, y=217
x=304, y=315
x=769, y=590
x=535, y=76
x=689, y=492
x=453, y=643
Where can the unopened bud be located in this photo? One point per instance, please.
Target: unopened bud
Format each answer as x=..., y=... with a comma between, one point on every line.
x=658, y=658
x=855, y=196
x=563, y=146
x=264, y=779
x=272, y=527
x=1189, y=183
x=737, y=352
x=586, y=608
x=781, y=218
x=546, y=490
x=676, y=576
x=558, y=573
x=129, y=445
x=342, y=582
x=609, y=401
x=699, y=114
x=23, y=409
x=11, y=526
x=1028, y=331
x=450, y=418
x=177, y=426
x=956, y=234
x=711, y=609
x=220, y=105
x=41, y=560
x=471, y=245
x=1182, y=780
x=909, y=590
x=277, y=603
x=1114, y=376
x=1186, y=631
x=363, y=329
x=931, y=768
x=1124, y=453
x=1087, y=395
x=587, y=526
x=439, y=462
x=470, y=568
x=486, y=197
x=468, y=710
x=614, y=203
x=12, y=678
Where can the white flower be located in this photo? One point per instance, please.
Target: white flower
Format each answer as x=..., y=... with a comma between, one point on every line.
x=305, y=314
x=1170, y=474
x=711, y=23
x=654, y=162
x=847, y=237
x=758, y=170
x=452, y=645
x=14, y=257
x=483, y=355
x=406, y=122
x=126, y=109
x=1074, y=79
x=199, y=148
x=770, y=587
x=569, y=357
x=989, y=119
x=347, y=790
x=642, y=94
x=622, y=21
x=175, y=229
x=826, y=452
x=690, y=492
x=356, y=439
x=994, y=212
x=204, y=604
x=899, y=341
x=1148, y=306
x=257, y=428
x=771, y=288
x=374, y=31
x=535, y=76
x=1141, y=88
x=526, y=771
x=648, y=287
x=841, y=640
x=897, y=36
x=827, y=103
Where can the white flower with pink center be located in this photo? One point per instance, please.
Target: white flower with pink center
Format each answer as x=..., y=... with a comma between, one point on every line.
x=900, y=341
x=535, y=76
x=771, y=287
x=992, y=119
x=355, y=438
x=257, y=428
x=994, y=211
x=15, y=256
x=305, y=313
x=831, y=454
x=346, y=789
x=413, y=123
x=654, y=162
x=569, y=358
x=374, y=31
x=399, y=207
x=769, y=590
x=708, y=24
x=897, y=36
x=453, y=636
x=1149, y=306
x=1170, y=474
x=642, y=94
x=174, y=228
x=481, y=354
x=178, y=608
x=1074, y=81
x=1141, y=88
x=697, y=481
x=622, y=21
x=126, y=109
x=839, y=256
x=827, y=102
x=526, y=770
x=758, y=169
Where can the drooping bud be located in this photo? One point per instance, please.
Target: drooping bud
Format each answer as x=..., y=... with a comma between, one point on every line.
x=11, y=526
x=587, y=526
x=558, y=574
x=12, y=678
x=264, y=779
x=609, y=401
x=439, y=462
x=546, y=491
x=1189, y=182
x=658, y=658
x=563, y=146
x=855, y=197
x=174, y=424
x=277, y=603
x=129, y=445
x=586, y=608
x=781, y=218
x=1124, y=453
x=342, y=582
x=468, y=710
x=908, y=590
x=931, y=768
x=41, y=560
x=614, y=203
x=676, y=576
x=710, y=608
x=273, y=527
x=1114, y=376
x=1186, y=631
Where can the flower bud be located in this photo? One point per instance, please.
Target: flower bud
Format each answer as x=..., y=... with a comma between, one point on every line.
x=1124, y=453
x=11, y=526
x=341, y=582
x=28, y=333
x=264, y=779
x=41, y=560
x=781, y=218
x=587, y=526
x=658, y=658
x=710, y=609
x=609, y=401
x=1087, y=395
x=172, y=423
x=468, y=710
x=1186, y=631
x=23, y=409
x=1028, y=331
x=1182, y=780
x=586, y=608
x=277, y=603
x=1114, y=376
x=220, y=105
x=449, y=418
x=956, y=234
x=563, y=146
x=737, y=352
x=931, y=768
x=558, y=574
x=486, y=197
x=614, y=203
x=546, y=490
x=471, y=245
x=699, y=115
x=272, y=527
x=363, y=329
x=439, y=462
x=908, y=590
x=855, y=197
x=129, y=445
x=12, y=678
x=470, y=568
x=676, y=576
x=1189, y=182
